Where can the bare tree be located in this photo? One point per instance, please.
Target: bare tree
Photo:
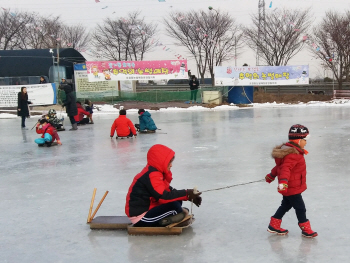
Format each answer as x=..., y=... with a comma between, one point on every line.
x=42, y=32
x=279, y=37
x=211, y=38
x=124, y=38
x=12, y=26
x=330, y=43
x=75, y=36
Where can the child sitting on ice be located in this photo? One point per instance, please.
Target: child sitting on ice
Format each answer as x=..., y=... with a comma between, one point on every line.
x=147, y=124
x=79, y=118
x=54, y=121
x=151, y=201
x=49, y=134
x=123, y=126
x=88, y=106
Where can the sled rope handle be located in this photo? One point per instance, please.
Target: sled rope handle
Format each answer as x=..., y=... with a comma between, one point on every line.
x=229, y=186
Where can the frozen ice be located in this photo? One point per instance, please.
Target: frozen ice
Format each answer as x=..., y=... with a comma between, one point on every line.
x=46, y=192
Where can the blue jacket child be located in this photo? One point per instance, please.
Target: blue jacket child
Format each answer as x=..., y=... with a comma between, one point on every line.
x=146, y=121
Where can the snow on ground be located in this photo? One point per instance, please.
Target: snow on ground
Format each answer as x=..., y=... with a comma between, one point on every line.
x=107, y=109
x=7, y=116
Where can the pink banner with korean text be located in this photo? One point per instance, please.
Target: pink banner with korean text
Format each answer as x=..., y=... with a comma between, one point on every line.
x=136, y=70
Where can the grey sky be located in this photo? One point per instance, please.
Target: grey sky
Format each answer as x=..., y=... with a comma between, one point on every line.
x=89, y=13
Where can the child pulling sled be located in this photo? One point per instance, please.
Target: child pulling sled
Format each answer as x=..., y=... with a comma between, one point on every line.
x=290, y=171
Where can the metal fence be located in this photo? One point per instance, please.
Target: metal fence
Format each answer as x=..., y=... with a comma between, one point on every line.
x=318, y=88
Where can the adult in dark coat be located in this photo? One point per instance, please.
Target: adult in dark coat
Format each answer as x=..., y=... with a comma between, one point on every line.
x=194, y=85
x=42, y=80
x=71, y=104
x=22, y=107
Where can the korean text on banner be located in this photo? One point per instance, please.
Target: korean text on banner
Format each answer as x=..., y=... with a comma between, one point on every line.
x=86, y=89
x=136, y=70
x=261, y=75
x=40, y=94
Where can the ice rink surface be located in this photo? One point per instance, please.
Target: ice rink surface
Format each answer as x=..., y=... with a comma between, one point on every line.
x=46, y=192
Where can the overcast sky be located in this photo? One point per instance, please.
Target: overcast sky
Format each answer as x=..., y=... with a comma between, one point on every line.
x=89, y=13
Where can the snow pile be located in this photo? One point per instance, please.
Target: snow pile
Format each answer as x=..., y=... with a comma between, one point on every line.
x=7, y=116
x=114, y=109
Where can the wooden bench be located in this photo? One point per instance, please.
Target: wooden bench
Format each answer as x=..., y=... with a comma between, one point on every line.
x=341, y=94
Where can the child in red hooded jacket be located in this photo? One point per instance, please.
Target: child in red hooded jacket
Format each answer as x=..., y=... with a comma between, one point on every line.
x=290, y=170
x=151, y=201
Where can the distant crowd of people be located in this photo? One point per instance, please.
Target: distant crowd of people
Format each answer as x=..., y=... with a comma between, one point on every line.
x=79, y=114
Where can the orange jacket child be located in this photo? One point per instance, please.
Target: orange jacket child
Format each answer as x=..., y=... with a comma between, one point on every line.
x=123, y=126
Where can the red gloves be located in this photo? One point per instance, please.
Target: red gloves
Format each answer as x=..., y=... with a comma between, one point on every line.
x=282, y=188
x=269, y=178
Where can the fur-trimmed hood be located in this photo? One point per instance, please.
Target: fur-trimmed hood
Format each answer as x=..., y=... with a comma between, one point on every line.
x=280, y=151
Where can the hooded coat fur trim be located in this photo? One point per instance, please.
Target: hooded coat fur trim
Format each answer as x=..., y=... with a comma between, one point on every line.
x=280, y=151
x=290, y=168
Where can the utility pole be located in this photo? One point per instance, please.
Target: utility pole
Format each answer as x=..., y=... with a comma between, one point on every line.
x=261, y=28
x=235, y=51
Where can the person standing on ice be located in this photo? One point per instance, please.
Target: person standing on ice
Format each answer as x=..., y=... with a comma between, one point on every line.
x=22, y=107
x=151, y=201
x=290, y=170
x=194, y=85
x=70, y=104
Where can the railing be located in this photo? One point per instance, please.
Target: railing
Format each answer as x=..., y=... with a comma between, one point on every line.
x=319, y=88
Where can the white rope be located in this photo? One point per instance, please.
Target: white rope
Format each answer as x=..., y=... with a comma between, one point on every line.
x=229, y=186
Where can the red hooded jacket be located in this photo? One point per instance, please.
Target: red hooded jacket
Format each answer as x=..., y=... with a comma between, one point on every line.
x=290, y=168
x=81, y=113
x=151, y=187
x=48, y=128
x=122, y=125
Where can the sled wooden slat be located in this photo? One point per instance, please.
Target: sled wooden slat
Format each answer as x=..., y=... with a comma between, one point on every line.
x=183, y=220
x=110, y=222
x=153, y=231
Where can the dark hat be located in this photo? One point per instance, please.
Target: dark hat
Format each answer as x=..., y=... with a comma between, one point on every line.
x=298, y=131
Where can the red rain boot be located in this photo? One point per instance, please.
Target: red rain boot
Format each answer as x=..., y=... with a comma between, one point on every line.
x=306, y=230
x=275, y=227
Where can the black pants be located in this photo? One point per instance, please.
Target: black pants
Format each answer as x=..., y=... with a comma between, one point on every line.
x=295, y=201
x=84, y=121
x=130, y=135
x=153, y=216
x=72, y=120
x=23, y=121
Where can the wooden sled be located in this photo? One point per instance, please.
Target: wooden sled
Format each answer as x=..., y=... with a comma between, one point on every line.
x=110, y=222
x=172, y=229
x=45, y=145
x=123, y=222
x=120, y=138
x=146, y=132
